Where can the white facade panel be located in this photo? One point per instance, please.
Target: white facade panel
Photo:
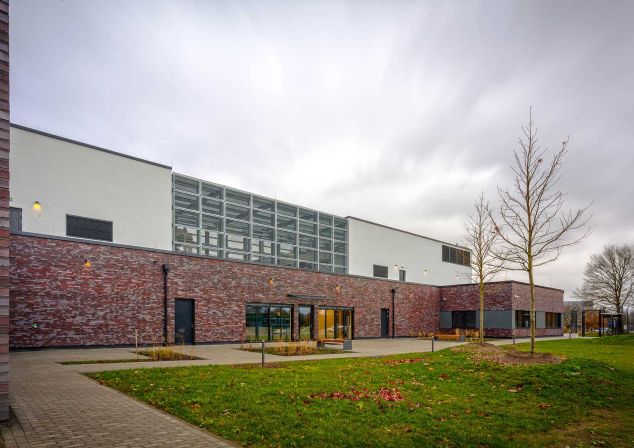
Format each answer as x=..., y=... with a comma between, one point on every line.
x=372, y=244
x=70, y=178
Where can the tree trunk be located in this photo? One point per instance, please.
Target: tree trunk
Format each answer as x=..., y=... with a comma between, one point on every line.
x=533, y=317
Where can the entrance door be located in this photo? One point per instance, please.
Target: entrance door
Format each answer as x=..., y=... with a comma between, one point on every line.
x=385, y=319
x=184, y=325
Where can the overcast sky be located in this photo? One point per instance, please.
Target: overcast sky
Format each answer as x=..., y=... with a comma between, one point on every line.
x=396, y=112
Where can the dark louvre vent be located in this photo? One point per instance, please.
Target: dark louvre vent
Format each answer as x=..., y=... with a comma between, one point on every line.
x=95, y=229
x=380, y=271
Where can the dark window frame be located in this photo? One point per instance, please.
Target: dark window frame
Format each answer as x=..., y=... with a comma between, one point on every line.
x=522, y=319
x=15, y=219
x=456, y=256
x=463, y=319
x=109, y=233
x=402, y=275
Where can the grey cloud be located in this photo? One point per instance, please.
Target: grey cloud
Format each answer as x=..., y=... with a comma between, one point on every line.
x=398, y=112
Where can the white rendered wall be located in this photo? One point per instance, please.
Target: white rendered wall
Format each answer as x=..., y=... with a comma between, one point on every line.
x=370, y=244
x=68, y=178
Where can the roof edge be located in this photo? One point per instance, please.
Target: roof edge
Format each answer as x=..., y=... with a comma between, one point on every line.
x=407, y=232
x=88, y=145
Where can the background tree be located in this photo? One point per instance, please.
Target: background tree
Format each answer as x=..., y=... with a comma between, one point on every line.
x=480, y=239
x=608, y=279
x=531, y=224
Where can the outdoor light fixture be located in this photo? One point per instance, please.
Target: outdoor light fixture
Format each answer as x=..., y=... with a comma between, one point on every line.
x=270, y=281
x=87, y=263
x=425, y=271
x=396, y=267
x=37, y=206
x=338, y=289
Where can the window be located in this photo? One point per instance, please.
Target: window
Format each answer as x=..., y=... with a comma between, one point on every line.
x=463, y=319
x=212, y=191
x=15, y=224
x=456, y=256
x=237, y=212
x=308, y=241
x=380, y=271
x=286, y=237
x=325, y=244
x=340, y=247
x=341, y=260
x=308, y=227
x=287, y=251
x=237, y=197
x=185, y=184
x=263, y=218
x=263, y=247
x=325, y=232
x=340, y=234
x=325, y=257
x=522, y=319
x=307, y=254
x=286, y=223
x=401, y=275
x=237, y=243
x=286, y=210
x=95, y=229
x=212, y=206
x=265, y=233
x=553, y=320
x=184, y=200
x=237, y=227
x=307, y=215
x=263, y=204
x=325, y=219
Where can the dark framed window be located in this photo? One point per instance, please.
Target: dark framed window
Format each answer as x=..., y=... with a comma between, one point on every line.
x=553, y=320
x=463, y=319
x=401, y=275
x=95, y=229
x=379, y=271
x=522, y=319
x=15, y=223
x=456, y=256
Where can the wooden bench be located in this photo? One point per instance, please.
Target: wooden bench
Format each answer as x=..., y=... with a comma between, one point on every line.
x=345, y=343
x=449, y=337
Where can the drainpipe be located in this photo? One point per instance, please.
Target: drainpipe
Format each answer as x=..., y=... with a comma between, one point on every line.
x=166, y=269
x=393, y=311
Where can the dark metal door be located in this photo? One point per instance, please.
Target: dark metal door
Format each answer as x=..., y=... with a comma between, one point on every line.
x=385, y=319
x=184, y=324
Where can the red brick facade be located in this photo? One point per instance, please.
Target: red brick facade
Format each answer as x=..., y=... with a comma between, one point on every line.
x=505, y=296
x=4, y=209
x=58, y=300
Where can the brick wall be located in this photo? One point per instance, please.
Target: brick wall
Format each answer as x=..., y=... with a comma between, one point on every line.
x=504, y=296
x=4, y=209
x=56, y=300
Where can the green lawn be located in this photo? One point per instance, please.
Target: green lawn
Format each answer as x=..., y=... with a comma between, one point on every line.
x=587, y=400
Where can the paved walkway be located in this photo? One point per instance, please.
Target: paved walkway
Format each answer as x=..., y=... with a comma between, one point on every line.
x=55, y=405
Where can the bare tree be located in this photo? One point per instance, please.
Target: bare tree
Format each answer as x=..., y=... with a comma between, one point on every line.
x=608, y=279
x=531, y=223
x=480, y=239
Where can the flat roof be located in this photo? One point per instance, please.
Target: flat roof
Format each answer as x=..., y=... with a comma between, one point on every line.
x=88, y=145
x=407, y=232
x=504, y=281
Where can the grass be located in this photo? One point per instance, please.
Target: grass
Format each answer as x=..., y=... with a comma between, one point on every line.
x=437, y=400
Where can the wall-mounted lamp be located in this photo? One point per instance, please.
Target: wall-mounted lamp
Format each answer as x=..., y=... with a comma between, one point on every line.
x=425, y=272
x=396, y=267
x=87, y=263
x=270, y=282
x=338, y=289
x=37, y=206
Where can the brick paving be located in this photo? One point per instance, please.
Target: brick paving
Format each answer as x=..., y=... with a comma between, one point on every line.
x=55, y=405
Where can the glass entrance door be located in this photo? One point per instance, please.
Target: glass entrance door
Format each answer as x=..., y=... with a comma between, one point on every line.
x=334, y=323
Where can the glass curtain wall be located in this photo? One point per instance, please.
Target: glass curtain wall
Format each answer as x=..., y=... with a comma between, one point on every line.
x=217, y=221
x=334, y=323
x=305, y=314
x=269, y=322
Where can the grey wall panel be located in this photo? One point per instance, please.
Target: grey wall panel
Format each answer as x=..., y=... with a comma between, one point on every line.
x=540, y=319
x=445, y=319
